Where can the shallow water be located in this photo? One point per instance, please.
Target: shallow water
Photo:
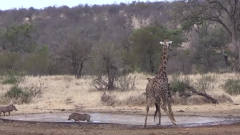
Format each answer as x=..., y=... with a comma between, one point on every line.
x=187, y=121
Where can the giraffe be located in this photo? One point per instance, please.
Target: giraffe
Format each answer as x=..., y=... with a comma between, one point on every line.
x=157, y=89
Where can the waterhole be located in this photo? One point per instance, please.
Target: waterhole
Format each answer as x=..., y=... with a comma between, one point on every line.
x=186, y=121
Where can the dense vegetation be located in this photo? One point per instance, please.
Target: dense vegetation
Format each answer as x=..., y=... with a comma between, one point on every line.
x=114, y=40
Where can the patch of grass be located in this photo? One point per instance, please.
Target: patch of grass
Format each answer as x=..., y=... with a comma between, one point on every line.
x=18, y=95
x=232, y=86
x=223, y=98
x=126, y=82
x=135, y=100
x=205, y=83
x=13, y=78
x=10, y=80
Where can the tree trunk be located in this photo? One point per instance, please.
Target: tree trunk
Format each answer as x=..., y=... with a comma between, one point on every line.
x=79, y=69
x=238, y=63
x=151, y=65
x=110, y=80
x=211, y=99
x=236, y=43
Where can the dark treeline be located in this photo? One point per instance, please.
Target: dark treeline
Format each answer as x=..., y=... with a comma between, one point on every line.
x=111, y=40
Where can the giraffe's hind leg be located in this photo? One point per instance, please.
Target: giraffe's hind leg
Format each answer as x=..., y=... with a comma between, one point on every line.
x=159, y=114
x=156, y=111
x=147, y=110
x=170, y=114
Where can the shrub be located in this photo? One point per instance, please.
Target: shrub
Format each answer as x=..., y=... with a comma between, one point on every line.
x=23, y=94
x=178, y=85
x=18, y=94
x=232, y=86
x=10, y=80
x=13, y=78
x=205, y=83
x=123, y=83
x=108, y=100
x=126, y=82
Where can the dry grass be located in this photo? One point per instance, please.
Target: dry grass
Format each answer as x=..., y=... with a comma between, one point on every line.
x=66, y=92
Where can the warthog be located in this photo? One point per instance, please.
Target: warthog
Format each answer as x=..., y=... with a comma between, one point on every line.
x=79, y=117
x=8, y=109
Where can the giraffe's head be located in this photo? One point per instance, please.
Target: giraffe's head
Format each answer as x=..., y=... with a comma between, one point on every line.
x=166, y=43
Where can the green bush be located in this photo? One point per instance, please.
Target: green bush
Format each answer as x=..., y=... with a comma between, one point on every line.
x=10, y=80
x=232, y=86
x=13, y=78
x=18, y=94
x=179, y=84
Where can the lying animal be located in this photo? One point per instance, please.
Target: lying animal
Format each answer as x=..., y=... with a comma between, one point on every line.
x=8, y=109
x=79, y=117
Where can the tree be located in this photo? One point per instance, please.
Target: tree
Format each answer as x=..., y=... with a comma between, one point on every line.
x=223, y=12
x=37, y=62
x=15, y=43
x=107, y=60
x=76, y=52
x=18, y=39
x=145, y=48
x=206, y=48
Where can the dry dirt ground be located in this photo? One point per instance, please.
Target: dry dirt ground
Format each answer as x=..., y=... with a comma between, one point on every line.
x=32, y=128
x=24, y=128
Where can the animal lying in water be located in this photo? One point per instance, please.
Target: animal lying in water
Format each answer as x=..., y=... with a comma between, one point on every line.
x=79, y=117
x=9, y=108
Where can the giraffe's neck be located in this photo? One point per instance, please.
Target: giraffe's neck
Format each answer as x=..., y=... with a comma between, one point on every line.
x=162, y=72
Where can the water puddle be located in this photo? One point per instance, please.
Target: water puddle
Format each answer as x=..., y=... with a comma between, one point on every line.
x=185, y=121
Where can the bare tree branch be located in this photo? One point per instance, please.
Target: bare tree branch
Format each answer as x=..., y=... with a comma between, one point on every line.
x=218, y=20
x=220, y=5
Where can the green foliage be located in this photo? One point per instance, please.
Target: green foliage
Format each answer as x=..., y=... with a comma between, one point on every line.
x=145, y=48
x=232, y=86
x=17, y=43
x=9, y=61
x=17, y=38
x=107, y=61
x=10, y=80
x=178, y=85
x=207, y=47
x=17, y=93
x=13, y=77
x=37, y=62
